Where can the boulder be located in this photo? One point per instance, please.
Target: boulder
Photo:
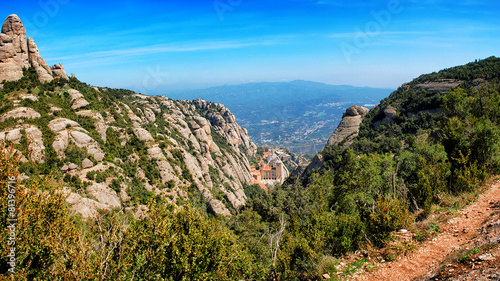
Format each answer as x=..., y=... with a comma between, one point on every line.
x=349, y=126
x=150, y=115
x=55, y=108
x=35, y=144
x=390, y=112
x=86, y=163
x=85, y=206
x=26, y=96
x=96, y=152
x=59, y=124
x=34, y=138
x=217, y=207
x=156, y=153
x=13, y=135
x=72, y=166
x=65, y=168
x=74, y=94
x=100, y=124
x=60, y=143
x=81, y=139
x=104, y=195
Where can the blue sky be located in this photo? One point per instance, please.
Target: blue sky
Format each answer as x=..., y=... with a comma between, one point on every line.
x=158, y=46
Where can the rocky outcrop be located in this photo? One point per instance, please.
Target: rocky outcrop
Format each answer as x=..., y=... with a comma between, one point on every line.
x=13, y=135
x=42, y=69
x=344, y=135
x=100, y=124
x=35, y=146
x=70, y=130
x=143, y=134
x=21, y=112
x=86, y=163
x=58, y=71
x=104, y=195
x=85, y=206
x=390, y=112
x=315, y=163
x=440, y=85
x=186, y=148
x=348, y=128
x=18, y=52
x=77, y=99
x=224, y=122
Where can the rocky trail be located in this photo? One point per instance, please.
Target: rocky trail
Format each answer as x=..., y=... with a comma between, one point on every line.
x=478, y=224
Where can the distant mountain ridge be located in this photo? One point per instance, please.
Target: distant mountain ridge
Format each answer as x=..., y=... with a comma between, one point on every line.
x=299, y=115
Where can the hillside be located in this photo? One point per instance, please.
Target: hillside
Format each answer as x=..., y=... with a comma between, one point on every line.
x=297, y=115
x=107, y=184
x=113, y=147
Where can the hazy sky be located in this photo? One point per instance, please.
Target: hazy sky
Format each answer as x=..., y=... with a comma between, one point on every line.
x=157, y=46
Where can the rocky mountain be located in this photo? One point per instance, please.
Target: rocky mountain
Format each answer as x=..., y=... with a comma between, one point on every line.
x=114, y=148
x=297, y=115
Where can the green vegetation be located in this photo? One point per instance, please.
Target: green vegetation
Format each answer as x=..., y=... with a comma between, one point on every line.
x=166, y=245
x=438, y=145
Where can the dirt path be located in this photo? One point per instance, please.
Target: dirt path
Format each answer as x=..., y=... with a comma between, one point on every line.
x=430, y=254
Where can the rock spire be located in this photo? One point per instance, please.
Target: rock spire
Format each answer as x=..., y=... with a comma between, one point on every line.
x=18, y=52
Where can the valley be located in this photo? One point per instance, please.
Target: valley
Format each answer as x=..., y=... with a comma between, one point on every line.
x=297, y=115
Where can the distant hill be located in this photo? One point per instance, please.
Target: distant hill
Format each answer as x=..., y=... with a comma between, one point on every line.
x=299, y=115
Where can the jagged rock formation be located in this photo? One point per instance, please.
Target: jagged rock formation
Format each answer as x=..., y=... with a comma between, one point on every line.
x=349, y=126
x=18, y=52
x=345, y=133
x=112, y=149
x=440, y=85
x=389, y=113
x=58, y=71
x=195, y=147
